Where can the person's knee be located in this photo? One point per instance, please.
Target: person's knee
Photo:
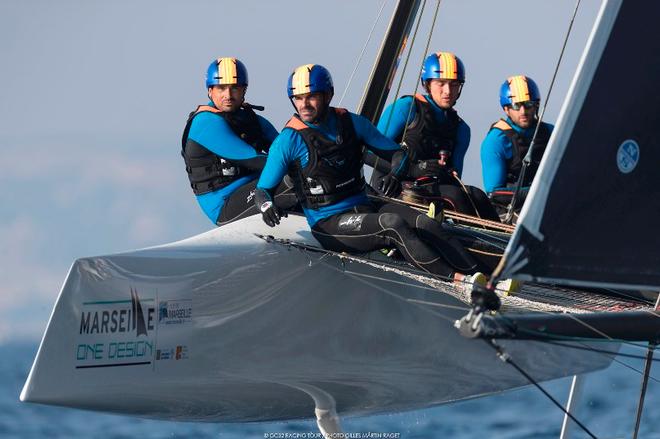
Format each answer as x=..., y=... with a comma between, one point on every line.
x=392, y=221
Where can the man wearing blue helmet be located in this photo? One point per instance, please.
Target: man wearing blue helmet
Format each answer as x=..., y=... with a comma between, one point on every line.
x=509, y=140
x=322, y=149
x=437, y=139
x=224, y=145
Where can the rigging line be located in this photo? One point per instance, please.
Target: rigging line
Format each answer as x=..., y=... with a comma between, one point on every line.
x=609, y=354
x=577, y=319
x=507, y=359
x=405, y=66
x=476, y=233
x=406, y=271
x=439, y=305
x=467, y=193
x=622, y=294
x=498, y=246
x=421, y=66
x=403, y=71
x=604, y=335
x=546, y=336
x=642, y=393
x=364, y=48
x=528, y=157
x=601, y=351
x=407, y=284
x=456, y=216
x=398, y=296
x=621, y=363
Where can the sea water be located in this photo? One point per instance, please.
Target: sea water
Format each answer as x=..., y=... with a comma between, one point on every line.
x=607, y=408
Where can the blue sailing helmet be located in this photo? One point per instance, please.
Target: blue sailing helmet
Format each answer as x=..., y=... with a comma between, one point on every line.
x=442, y=65
x=309, y=78
x=519, y=88
x=226, y=71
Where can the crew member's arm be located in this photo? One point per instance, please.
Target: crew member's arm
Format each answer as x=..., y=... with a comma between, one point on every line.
x=493, y=160
x=384, y=148
x=391, y=124
x=214, y=134
x=461, y=147
x=268, y=129
x=396, y=116
x=285, y=149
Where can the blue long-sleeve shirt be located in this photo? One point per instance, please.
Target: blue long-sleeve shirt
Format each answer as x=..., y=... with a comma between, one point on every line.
x=496, y=151
x=289, y=146
x=214, y=133
x=399, y=114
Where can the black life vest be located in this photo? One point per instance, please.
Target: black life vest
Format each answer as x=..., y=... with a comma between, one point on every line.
x=334, y=170
x=520, y=146
x=426, y=137
x=208, y=171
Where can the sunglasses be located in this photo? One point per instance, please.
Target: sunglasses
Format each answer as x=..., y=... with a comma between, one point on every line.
x=527, y=104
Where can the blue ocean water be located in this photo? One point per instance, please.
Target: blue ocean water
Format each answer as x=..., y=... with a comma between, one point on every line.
x=607, y=408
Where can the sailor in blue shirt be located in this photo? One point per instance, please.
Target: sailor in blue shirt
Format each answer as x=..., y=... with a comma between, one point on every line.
x=224, y=145
x=437, y=139
x=322, y=149
x=508, y=141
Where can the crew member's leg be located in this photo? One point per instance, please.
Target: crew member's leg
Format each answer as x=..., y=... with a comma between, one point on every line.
x=362, y=231
x=484, y=206
x=432, y=232
x=240, y=203
x=501, y=200
x=455, y=198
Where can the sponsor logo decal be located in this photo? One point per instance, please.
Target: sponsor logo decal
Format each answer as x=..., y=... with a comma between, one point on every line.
x=178, y=353
x=175, y=312
x=116, y=332
x=351, y=222
x=627, y=156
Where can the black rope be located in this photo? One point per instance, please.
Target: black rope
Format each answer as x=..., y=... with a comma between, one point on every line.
x=528, y=157
x=507, y=359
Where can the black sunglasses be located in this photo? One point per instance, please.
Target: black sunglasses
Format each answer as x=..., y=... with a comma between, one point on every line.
x=527, y=104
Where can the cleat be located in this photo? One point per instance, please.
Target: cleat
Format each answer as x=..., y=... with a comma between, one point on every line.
x=508, y=287
x=436, y=214
x=431, y=212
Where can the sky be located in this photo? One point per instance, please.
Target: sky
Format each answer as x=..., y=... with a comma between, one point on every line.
x=94, y=97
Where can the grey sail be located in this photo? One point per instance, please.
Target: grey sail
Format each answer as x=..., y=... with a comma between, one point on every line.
x=592, y=215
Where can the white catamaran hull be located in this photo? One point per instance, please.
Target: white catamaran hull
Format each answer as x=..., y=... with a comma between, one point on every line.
x=227, y=327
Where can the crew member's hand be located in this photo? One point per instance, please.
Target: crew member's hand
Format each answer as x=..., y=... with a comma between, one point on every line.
x=389, y=185
x=270, y=212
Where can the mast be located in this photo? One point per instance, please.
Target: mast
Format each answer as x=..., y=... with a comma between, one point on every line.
x=380, y=80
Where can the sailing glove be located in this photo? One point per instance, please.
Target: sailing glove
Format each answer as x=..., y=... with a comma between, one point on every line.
x=270, y=213
x=389, y=185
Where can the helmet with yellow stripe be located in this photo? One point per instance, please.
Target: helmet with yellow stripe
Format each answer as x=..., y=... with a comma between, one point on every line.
x=442, y=65
x=226, y=71
x=309, y=78
x=519, y=88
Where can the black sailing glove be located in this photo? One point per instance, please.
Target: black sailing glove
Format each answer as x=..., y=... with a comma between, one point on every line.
x=270, y=213
x=389, y=185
